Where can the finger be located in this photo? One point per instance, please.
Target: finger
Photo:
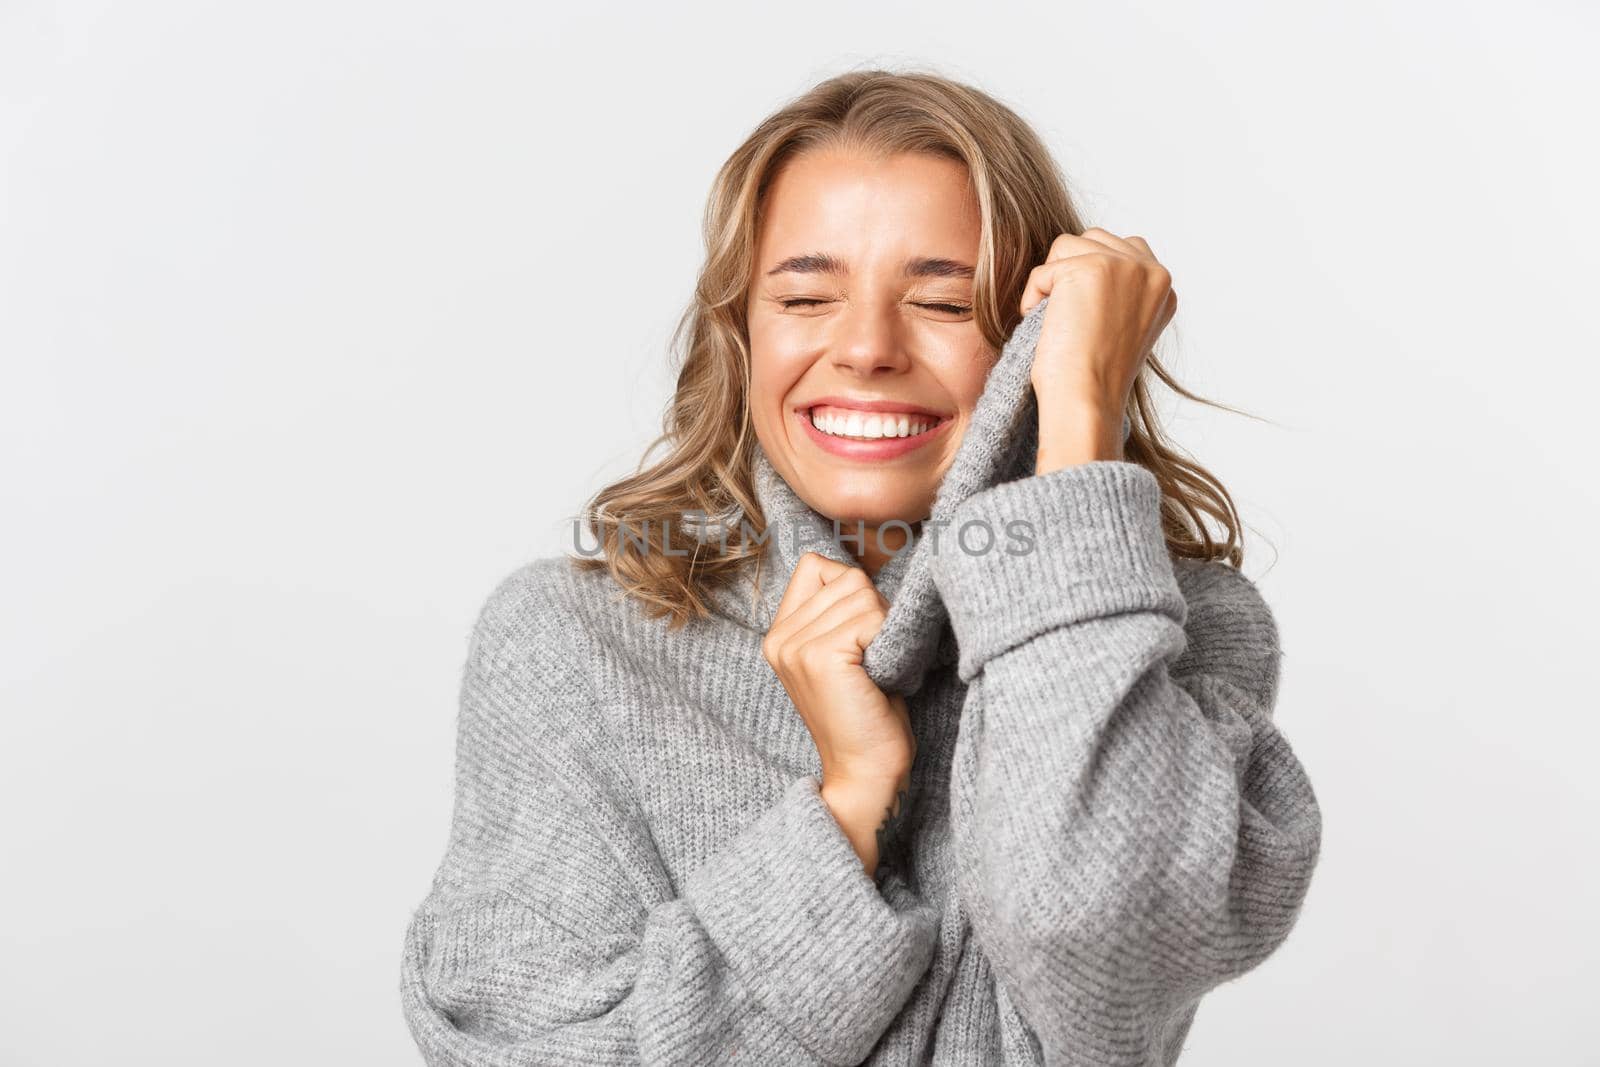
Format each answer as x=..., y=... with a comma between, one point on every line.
x=1067, y=245
x=810, y=574
x=1041, y=279
x=852, y=636
x=1143, y=246
x=1169, y=308
x=844, y=586
x=1064, y=249
x=861, y=604
x=1112, y=241
x=859, y=630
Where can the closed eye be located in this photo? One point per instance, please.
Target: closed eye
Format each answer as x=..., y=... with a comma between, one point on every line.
x=950, y=309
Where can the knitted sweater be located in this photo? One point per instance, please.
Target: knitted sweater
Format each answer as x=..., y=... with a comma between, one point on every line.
x=1104, y=821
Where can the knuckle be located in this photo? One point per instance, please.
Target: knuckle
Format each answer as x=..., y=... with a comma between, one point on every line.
x=865, y=598
x=1097, y=264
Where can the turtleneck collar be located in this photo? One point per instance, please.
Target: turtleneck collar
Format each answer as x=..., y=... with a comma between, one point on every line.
x=998, y=446
x=796, y=528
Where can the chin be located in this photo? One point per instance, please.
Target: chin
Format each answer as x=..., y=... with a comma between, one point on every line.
x=875, y=505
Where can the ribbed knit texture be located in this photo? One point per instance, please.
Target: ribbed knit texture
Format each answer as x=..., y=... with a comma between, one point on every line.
x=1104, y=823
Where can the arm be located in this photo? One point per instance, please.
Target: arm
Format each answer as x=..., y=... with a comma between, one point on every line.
x=1130, y=827
x=552, y=934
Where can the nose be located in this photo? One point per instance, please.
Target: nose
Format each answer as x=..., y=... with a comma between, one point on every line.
x=869, y=342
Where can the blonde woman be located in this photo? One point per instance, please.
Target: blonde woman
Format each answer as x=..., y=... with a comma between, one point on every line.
x=906, y=710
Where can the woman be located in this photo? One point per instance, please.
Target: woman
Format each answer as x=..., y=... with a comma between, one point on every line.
x=907, y=711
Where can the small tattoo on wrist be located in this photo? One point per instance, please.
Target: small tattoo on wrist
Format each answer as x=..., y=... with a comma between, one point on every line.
x=894, y=817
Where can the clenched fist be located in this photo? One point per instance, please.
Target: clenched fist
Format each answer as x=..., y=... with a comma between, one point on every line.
x=828, y=615
x=1110, y=299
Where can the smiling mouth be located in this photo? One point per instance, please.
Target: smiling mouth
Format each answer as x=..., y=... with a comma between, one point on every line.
x=854, y=424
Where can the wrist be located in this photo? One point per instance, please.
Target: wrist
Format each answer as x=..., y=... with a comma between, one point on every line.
x=859, y=802
x=1076, y=434
x=860, y=808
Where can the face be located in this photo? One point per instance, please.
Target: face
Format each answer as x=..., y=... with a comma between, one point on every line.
x=866, y=358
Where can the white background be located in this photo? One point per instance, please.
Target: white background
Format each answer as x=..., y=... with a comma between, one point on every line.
x=319, y=318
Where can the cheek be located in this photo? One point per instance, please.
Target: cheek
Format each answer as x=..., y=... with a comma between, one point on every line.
x=963, y=376
x=777, y=363
x=972, y=384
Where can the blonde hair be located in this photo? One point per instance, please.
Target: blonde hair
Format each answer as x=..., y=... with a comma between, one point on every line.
x=1024, y=205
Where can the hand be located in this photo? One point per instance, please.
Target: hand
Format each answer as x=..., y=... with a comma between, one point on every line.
x=1110, y=298
x=828, y=615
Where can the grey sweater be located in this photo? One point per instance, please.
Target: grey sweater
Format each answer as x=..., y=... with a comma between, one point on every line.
x=1104, y=822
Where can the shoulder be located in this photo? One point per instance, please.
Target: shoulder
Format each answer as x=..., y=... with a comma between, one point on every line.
x=533, y=728
x=1231, y=629
x=533, y=676
x=540, y=613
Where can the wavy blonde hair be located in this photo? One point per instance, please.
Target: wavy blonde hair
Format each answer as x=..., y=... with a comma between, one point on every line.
x=1024, y=205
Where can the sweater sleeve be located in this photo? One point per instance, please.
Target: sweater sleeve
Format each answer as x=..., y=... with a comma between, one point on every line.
x=1130, y=827
x=552, y=934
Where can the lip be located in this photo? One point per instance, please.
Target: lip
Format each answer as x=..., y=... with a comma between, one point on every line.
x=869, y=405
x=884, y=448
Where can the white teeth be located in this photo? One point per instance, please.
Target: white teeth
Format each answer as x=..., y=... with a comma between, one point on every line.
x=871, y=426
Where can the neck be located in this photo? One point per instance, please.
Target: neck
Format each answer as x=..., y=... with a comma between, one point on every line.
x=874, y=546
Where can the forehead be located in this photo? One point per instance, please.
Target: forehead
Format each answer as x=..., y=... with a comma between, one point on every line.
x=869, y=211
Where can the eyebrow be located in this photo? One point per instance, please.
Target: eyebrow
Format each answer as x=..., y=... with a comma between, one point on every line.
x=915, y=267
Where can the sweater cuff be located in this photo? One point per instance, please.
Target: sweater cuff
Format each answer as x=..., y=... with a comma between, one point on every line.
x=791, y=908
x=1097, y=549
